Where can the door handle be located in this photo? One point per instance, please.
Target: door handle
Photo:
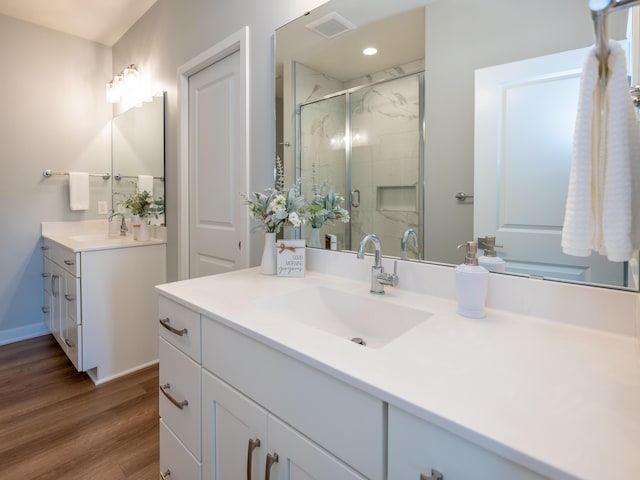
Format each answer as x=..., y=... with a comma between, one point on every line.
x=253, y=444
x=271, y=459
x=55, y=279
x=354, y=203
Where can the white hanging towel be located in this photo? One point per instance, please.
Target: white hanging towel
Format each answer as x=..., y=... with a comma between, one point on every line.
x=78, y=190
x=603, y=210
x=145, y=184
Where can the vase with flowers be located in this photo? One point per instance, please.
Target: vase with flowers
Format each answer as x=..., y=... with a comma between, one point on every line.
x=275, y=208
x=140, y=204
x=325, y=208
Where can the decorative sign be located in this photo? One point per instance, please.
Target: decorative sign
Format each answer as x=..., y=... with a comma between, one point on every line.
x=290, y=258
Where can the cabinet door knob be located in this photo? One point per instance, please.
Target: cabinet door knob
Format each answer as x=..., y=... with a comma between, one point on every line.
x=166, y=474
x=165, y=323
x=435, y=475
x=69, y=298
x=253, y=444
x=70, y=262
x=45, y=274
x=271, y=459
x=165, y=390
x=45, y=309
x=69, y=343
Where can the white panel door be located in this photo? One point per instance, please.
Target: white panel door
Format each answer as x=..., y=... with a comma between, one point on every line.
x=524, y=121
x=216, y=169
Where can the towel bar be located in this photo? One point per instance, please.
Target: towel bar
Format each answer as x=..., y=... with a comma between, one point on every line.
x=48, y=173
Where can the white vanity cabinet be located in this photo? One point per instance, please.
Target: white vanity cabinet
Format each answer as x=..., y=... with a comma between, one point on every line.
x=419, y=450
x=257, y=405
x=101, y=307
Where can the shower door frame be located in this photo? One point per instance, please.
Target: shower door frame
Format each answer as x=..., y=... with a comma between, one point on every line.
x=348, y=151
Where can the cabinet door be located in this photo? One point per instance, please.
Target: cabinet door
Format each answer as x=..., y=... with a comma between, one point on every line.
x=416, y=447
x=57, y=287
x=300, y=459
x=234, y=432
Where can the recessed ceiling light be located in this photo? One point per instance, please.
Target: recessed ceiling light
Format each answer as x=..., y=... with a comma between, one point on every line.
x=370, y=51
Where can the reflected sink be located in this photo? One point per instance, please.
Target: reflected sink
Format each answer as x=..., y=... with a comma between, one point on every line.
x=350, y=316
x=97, y=237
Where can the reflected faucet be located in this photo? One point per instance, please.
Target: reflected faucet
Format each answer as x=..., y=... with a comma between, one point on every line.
x=409, y=232
x=123, y=224
x=378, y=277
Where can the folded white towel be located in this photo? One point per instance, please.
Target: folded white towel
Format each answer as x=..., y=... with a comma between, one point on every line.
x=145, y=184
x=603, y=204
x=79, y=190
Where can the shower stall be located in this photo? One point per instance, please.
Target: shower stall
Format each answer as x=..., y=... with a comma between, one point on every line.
x=368, y=143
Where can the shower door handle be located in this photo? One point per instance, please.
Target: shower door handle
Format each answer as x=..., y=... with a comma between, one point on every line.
x=355, y=203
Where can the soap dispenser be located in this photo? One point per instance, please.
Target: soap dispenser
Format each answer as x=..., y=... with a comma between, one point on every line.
x=472, y=281
x=489, y=259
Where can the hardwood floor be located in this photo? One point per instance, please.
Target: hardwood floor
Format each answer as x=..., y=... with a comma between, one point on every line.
x=56, y=424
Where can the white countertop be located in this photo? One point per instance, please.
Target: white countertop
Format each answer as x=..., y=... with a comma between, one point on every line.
x=90, y=235
x=561, y=400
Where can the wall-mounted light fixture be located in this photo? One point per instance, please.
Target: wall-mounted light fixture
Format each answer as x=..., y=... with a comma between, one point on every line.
x=129, y=88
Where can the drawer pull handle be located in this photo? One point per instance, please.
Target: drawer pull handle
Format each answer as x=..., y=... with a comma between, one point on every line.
x=45, y=309
x=164, y=475
x=435, y=475
x=70, y=262
x=271, y=459
x=69, y=343
x=69, y=298
x=45, y=274
x=55, y=279
x=253, y=444
x=165, y=390
x=165, y=323
x=44, y=248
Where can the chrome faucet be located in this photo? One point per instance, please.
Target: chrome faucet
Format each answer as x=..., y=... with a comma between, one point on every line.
x=409, y=232
x=123, y=224
x=378, y=277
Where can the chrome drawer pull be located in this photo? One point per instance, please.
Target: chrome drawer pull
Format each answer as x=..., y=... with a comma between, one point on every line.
x=45, y=274
x=45, y=309
x=44, y=247
x=165, y=323
x=70, y=262
x=69, y=343
x=253, y=444
x=69, y=298
x=164, y=389
x=165, y=474
x=435, y=475
x=271, y=459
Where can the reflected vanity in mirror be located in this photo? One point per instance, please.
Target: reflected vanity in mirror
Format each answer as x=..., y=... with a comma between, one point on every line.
x=464, y=132
x=137, y=145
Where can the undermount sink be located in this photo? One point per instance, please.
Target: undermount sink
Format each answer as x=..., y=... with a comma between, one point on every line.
x=97, y=237
x=363, y=319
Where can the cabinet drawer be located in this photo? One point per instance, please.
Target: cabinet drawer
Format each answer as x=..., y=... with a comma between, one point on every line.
x=64, y=257
x=72, y=338
x=416, y=447
x=71, y=299
x=175, y=458
x=180, y=381
x=344, y=420
x=180, y=327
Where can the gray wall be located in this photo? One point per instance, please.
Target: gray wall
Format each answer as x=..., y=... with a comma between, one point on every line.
x=173, y=32
x=52, y=116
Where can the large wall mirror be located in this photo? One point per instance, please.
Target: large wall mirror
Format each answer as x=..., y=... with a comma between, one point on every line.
x=137, y=146
x=460, y=127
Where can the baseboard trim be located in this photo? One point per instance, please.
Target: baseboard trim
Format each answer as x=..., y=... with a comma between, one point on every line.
x=93, y=374
x=23, y=333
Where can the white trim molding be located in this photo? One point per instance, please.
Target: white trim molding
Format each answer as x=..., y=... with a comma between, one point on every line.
x=23, y=333
x=237, y=42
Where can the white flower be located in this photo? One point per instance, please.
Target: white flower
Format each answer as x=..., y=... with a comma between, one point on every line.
x=294, y=219
x=278, y=204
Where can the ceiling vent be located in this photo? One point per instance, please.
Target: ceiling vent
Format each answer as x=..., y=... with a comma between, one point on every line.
x=331, y=25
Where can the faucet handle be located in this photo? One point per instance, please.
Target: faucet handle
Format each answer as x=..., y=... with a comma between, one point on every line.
x=391, y=279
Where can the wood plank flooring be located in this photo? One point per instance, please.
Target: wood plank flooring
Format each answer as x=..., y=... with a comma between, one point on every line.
x=56, y=424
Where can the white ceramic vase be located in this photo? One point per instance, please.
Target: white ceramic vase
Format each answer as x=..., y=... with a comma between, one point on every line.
x=268, y=264
x=140, y=228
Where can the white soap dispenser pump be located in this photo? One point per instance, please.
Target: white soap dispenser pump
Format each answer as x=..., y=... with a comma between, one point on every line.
x=472, y=281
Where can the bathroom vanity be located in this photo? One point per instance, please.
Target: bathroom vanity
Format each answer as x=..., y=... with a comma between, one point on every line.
x=252, y=379
x=99, y=302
